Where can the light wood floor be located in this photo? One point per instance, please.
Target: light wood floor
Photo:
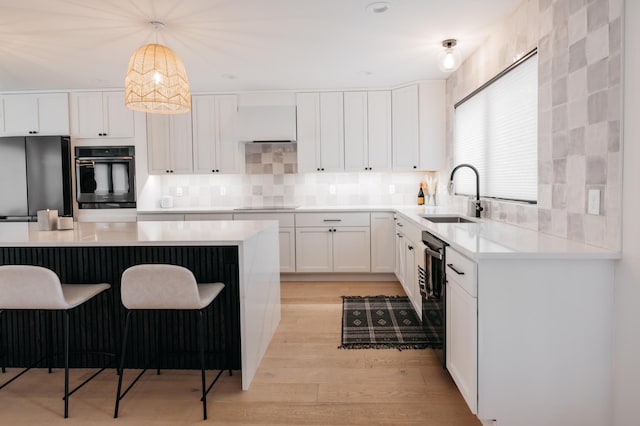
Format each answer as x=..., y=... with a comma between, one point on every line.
x=303, y=380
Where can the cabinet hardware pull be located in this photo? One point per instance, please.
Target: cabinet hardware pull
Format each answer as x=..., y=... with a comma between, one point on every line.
x=410, y=247
x=450, y=265
x=400, y=224
x=332, y=220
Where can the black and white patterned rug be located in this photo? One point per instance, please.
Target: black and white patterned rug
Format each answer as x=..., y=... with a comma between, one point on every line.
x=381, y=322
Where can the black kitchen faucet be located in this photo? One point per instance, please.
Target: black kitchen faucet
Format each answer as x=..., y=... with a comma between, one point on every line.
x=477, y=200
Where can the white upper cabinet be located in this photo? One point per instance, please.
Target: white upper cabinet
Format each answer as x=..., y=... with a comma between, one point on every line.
x=406, y=152
x=367, y=131
x=432, y=117
x=320, y=131
x=215, y=146
x=100, y=115
x=308, y=130
x=169, y=143
x=34, y=114
x=419, y=126
x=356, y=150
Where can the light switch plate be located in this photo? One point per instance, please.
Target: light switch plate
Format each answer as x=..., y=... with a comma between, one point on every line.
x=594, y=202
x=179, y=191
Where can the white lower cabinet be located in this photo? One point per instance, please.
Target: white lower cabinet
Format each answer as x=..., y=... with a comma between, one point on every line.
x=314, y=249
x=382, y=242
x=333, y=242
x=409, y=254
x=287, y=235
x=287, y=249
x=351, y=249
x=462, y=326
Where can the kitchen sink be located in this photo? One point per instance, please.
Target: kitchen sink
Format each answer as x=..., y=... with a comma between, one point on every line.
x=448, y=219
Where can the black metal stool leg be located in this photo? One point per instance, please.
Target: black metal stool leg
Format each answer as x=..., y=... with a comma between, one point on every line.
x=158, y=343
x=2, y=355
x=228, y=338
x=122, y=357
x=49, y=317
x=201, y=344
x=66, y=364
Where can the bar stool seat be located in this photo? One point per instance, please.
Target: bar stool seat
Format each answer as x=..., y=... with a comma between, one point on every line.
x=165, y=287
x=26, y=287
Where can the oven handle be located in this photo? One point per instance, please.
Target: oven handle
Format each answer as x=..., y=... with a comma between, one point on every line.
x=433, y=253
x=85, y=163
x=109, y=159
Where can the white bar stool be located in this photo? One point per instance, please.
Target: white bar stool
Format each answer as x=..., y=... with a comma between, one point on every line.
x=159, y=287
x=26, y=287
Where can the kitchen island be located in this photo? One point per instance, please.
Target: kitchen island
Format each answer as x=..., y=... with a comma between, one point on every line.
x=243, y=255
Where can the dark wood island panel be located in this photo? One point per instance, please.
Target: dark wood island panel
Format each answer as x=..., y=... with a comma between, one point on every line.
x=98, y=325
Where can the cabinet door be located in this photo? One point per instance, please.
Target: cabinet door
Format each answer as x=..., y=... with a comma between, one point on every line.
x=462, y=342
x=287, y=250
x=401, y=257
x=53, y=114
x=20, y=114
x=308, y=129
x=382, y=242
x=158, y=143
x=180, y=143
x=351, y=249
x=432, y=124
x=118, y=119
x=230, y=150
x=379, y=130
x=405, y=128
x=332, y=132
x=409, y=268
x=314, y=249
x=87, y=115
x=356, y=152
x=204, y=134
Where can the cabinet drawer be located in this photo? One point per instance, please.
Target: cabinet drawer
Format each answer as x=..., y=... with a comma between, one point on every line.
x=407, y=228
x=462, y=270
x=332, y=219
x=285, y=220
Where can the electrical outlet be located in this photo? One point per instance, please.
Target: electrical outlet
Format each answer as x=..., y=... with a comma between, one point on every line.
x=179, y=191
x=223, y=190
x=392, y=189
x=594, y=202
x=332, y=189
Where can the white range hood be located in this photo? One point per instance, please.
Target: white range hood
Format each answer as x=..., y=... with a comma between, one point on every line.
x=266, y=118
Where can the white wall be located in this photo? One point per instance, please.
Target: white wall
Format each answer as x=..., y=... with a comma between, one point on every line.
x=627, y=284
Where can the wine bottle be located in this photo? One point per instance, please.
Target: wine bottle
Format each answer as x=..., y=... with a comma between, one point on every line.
x=420, y=196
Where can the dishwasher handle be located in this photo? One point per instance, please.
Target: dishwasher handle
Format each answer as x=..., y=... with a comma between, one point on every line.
x=433, y=253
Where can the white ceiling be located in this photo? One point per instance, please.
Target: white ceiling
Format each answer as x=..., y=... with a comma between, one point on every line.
x=261, y=44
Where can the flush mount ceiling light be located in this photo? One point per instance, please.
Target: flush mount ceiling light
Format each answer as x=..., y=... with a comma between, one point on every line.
x=156, y=80
x=449, y=59
x=378, y=7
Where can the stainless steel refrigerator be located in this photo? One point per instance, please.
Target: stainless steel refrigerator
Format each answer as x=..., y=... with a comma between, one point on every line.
x=35, y=174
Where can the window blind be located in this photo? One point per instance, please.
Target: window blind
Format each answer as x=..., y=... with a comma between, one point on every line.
x=496, y=130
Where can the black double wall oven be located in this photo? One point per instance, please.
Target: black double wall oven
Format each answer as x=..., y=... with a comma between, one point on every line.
x=105, y=177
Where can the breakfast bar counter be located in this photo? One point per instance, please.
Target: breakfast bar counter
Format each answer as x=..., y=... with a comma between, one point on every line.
x=244, y=255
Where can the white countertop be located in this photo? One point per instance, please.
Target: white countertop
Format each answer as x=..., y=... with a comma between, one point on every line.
x=483, y=239
x=491, y=239
x=215, y=233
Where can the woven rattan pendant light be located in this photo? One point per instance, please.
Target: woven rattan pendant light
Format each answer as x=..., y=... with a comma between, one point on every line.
x=156, y=80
